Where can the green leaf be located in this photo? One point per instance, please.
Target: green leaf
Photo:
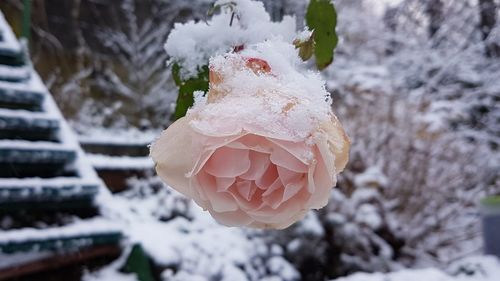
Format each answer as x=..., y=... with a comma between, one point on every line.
x=215, y=8
x=186, y=89
x=321, y=17
x=138, y=263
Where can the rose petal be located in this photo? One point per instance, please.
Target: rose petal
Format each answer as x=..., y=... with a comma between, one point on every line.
x=273, y=187
x=280, y=225
x=259, y=164
x=224, y=183
x=310, y=181
x=277, y=194
x=338, y=142
x=286, y=176
x=253, y=142
x=323, y=183
x=169, y=154
x=273, y=196
x=268, y=178
x=246, y=189
x=200, y=184
x=284, y=215
x=228, y=162
x=299, y=150
x=274, y=199
x=293, y=188
x=253, y=203
x=236, y=218
x=204, y=146
x=283, y=158
x=220, y=201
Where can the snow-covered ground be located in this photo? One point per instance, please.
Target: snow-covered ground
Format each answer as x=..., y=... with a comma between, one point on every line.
x=179, y=235
x=470, y=269
x=190, y=246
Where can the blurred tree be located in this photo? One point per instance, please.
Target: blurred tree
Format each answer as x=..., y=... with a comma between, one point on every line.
x=434, y=9
x=488, y=12
x=104, y=60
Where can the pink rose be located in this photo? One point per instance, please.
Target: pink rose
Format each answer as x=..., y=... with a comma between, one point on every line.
x=256, y=153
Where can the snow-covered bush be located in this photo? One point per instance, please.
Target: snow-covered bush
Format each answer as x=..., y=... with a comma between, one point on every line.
x=186, y=244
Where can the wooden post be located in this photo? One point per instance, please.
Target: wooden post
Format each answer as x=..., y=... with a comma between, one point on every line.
x=490, y=209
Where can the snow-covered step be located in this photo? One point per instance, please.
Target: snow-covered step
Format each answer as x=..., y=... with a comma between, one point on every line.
x=33, y=126
x=19, y=158
x=106, y=162
x=14, y=73
x=10, y=49
x=116, y=170
x=54, y=193
x=132, y=143
x=18, y=96
x=10, y=58
x=77, y=235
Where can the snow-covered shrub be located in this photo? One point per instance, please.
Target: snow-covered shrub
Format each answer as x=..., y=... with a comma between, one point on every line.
x=186, y=244
x=160, y=201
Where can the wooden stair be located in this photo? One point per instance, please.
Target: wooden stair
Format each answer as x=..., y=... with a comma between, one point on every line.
x=48, y=189
x=119, y=156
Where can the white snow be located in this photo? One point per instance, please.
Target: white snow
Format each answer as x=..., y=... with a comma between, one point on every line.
x=36, y=145
x=367, y=214
x=31, y=85
x=280, y=267
x=25, y=114
x=79, y=228
x=372, y=177
x=289, y=102
x=111, y=272
x=117, y=137
x=41, y=183
x=483, y=269
x=251, y=24
x=14, y=73
x=99, y=161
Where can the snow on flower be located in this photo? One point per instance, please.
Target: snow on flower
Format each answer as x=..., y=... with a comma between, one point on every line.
x=263, y=147
x=193, y=43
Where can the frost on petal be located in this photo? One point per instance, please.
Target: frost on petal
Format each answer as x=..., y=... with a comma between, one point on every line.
x=170, y=152
x=228, y=162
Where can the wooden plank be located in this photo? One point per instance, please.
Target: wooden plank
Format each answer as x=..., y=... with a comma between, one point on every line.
x=60, y=260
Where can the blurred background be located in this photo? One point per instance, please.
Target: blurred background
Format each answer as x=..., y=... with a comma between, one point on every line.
x=416, y=83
